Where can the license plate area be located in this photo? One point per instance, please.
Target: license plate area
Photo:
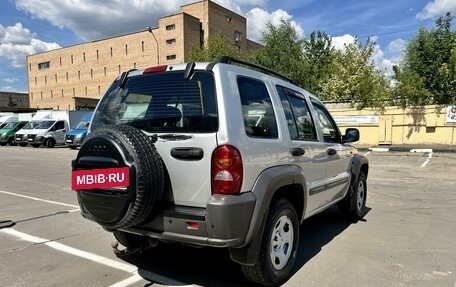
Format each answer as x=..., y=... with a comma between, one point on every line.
x=116, y=177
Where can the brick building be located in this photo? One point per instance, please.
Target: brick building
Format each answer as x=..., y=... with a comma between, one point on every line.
x=12, y=102
x=75, y=77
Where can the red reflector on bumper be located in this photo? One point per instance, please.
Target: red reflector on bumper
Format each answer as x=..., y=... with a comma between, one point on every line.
x=100, y=178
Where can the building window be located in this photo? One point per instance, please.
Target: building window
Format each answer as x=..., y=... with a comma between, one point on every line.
x=134, y=65
x=45, y=80
x=35, y=81
x=71, y=59
x=97, y=54
x=84, y=56
x=91, y=73
x=74, y=92
x=119, y=69
x=52, y=95
x=55, y=76
x=170, y=27
x=62, y=93
x=66, y=76
x=171, y=57
x=41, y=94
x=126, y=49
x=79, y=75
x=228, y=19
x=31, y=94
x=99, y=90
x=142, y=46
x=104, y=71
x=43, y=65
x=111, y=51
x=237, y=37
x=86, y=90
x=171, y=41
x=30, y=66
x=60, y=61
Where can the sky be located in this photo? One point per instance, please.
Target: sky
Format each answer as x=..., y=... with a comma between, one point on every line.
x=33, y=26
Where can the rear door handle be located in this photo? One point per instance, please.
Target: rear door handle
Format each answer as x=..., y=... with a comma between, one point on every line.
x=297, y=151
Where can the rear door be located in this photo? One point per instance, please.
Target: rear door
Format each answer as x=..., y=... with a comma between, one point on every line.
x=181, y=113
x=305, y=149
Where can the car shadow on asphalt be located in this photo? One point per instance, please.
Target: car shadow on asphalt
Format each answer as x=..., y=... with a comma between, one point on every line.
x=171, y=264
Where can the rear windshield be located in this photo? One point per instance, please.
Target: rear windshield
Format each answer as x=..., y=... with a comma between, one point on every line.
x=161, y=102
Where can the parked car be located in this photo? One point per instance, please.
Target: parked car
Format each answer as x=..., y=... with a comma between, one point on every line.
x=8, y=131
x=77, y=134
x=225, y=154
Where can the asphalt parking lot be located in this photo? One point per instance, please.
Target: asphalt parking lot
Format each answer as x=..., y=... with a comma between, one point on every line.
x=406, y=239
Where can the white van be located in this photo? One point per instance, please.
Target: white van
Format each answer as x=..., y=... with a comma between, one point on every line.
x=21, y=135
x=50, y=131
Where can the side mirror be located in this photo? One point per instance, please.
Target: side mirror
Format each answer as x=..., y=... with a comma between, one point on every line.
x=351, y=135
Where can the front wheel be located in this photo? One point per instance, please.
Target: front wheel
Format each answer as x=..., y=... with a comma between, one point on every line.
x=279, y=246
x=354, y=205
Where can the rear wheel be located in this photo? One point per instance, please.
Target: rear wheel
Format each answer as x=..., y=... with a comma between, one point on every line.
x=12, y=142
x=278, y=248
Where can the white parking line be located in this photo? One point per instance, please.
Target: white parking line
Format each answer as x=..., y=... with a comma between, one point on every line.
x=427, y=160
x=39, y=199
x=70, y=250
x=96, y=258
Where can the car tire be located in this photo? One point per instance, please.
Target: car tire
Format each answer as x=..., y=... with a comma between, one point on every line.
x=279, y=246
x=3, y=144
x=73, y=147
x=12, y=142
x=36, y=145
x=354, y=205
x=23, y=144
x=138, y=203
x=50, y=143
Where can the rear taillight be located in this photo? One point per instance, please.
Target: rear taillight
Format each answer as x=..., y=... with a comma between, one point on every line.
x=226, y=170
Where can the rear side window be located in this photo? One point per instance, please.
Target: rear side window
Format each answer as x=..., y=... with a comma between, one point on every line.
x=161, y=102
x=299, y=119
x=257, y=111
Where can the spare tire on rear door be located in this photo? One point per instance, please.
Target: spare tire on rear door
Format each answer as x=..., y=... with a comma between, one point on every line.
x=115, y=147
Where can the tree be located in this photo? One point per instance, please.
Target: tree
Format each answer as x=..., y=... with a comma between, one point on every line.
x=215, y=47
x=11, y=102
x=354, y=79
x=319, y=55
x=282, y=51
x=427, y=74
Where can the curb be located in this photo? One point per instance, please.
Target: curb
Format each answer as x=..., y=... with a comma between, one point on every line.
x=410, y=149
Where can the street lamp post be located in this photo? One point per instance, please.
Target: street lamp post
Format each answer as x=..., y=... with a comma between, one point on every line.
x=158, y=53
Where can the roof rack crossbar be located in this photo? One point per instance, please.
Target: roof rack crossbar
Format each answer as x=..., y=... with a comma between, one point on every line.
x=230, y=60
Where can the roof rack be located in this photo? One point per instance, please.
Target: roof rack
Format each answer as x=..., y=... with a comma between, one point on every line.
x=232, y=61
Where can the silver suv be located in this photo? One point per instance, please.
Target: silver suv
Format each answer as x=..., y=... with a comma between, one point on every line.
x=225, y=154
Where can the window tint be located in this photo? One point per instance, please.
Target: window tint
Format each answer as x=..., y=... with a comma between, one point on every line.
x=299, y=120
x=328, y=126
x=161, y=102
x=257, y=111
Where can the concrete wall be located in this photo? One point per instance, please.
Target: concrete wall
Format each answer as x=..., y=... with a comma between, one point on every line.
x=392, y=125
x=14, y=100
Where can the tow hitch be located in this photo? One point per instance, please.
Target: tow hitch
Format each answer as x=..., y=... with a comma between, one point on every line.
x=128, y=251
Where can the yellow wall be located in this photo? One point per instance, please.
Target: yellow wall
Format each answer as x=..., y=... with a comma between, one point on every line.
x=424, y=125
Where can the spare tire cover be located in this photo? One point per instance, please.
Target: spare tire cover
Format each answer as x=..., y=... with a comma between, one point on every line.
x=120, y=146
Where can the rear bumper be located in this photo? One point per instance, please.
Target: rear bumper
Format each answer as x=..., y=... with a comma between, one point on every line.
x=224, y=222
